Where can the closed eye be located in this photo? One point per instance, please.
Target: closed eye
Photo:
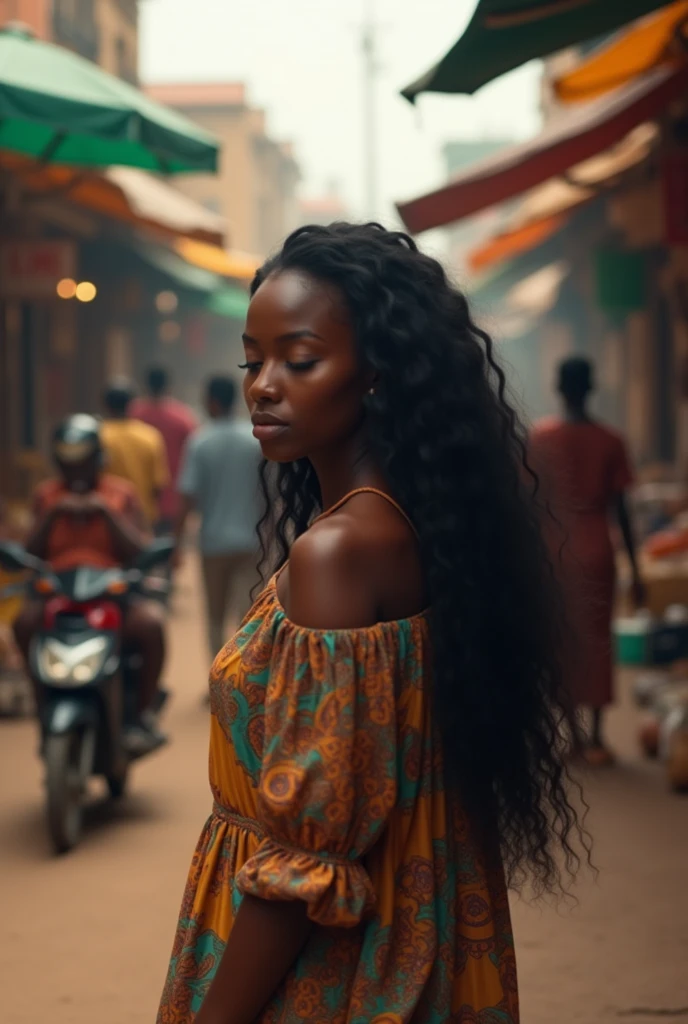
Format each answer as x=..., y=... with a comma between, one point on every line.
x=251, y=367
x=304, y=366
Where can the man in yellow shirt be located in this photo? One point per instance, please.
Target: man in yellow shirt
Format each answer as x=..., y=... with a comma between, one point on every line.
x=134, y=450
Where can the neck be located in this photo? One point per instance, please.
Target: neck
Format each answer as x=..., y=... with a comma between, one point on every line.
x=575, y=412
x=345, y=467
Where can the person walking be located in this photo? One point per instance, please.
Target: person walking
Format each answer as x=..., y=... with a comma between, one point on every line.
x=385, y=751
x=133, y=450
x=586, y=469
x=219, y=478
x=176, y=422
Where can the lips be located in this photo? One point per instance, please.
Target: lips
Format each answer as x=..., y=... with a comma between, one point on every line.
x=266, y=427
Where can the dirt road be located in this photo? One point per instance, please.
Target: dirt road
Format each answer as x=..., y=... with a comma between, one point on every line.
x=84, y=939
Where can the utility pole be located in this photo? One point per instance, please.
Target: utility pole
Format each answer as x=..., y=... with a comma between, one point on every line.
x=370, y=72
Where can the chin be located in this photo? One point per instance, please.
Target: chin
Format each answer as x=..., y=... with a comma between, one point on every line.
x=273, y=451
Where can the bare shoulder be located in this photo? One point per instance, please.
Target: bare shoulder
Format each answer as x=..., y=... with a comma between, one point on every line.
x=355, y=568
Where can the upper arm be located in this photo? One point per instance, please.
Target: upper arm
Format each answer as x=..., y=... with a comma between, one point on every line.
x=328, y=585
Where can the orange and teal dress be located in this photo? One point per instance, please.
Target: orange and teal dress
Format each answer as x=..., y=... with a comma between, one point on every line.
x=327, y=784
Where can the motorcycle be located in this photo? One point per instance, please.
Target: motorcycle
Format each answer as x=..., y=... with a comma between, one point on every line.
x=87, y=680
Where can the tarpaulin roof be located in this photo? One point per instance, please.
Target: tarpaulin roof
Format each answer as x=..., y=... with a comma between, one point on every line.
x=648, y=43
x=124, y=194
x=580, y=133
x=218, y=297
x=227, y=262
x=545, y=209
x=503, y=34
x=509, y=244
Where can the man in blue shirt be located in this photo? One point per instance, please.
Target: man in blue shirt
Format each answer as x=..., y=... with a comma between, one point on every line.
x=219, y=478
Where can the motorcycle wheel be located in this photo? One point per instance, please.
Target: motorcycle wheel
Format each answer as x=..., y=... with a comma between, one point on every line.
x=117, y=784
x=68, y=762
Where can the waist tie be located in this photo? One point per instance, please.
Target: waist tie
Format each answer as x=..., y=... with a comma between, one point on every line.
x=239, y=820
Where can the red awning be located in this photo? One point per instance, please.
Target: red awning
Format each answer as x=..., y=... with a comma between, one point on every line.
x=579, y=133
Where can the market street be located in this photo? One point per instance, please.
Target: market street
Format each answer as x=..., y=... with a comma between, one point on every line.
x=85, y=938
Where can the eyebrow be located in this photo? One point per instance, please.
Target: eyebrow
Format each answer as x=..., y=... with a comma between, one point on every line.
x=290, y=336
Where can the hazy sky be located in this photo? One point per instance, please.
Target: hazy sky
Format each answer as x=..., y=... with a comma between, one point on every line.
x=301, y=61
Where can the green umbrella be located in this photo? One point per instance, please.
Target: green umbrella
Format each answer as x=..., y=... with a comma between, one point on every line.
x=59, y=107
x=503, y=34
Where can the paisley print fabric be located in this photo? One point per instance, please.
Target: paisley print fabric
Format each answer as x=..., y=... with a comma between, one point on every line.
x=327, y=785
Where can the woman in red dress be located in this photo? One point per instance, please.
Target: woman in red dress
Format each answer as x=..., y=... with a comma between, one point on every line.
x=586, y=469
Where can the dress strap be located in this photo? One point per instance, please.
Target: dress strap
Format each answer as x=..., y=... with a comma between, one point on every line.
x=366, y=490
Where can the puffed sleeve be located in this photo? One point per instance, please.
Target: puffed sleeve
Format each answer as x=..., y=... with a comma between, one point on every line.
x=328, y=778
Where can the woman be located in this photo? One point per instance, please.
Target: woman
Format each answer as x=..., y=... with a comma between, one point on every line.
x=588, y=473
x=387, y=716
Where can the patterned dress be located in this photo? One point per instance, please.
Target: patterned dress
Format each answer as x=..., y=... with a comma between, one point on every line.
x=327, y=787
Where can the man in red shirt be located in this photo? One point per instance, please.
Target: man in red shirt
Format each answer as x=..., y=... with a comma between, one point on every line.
x=176, y=422
x=87, y=517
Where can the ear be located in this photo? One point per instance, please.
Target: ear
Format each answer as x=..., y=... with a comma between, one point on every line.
x=370, y=381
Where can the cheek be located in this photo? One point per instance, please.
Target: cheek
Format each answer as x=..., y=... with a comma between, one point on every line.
x=330, y=402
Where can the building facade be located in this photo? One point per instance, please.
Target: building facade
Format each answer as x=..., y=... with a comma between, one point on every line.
x=324, y=209
x=104, y=31
x=255, y=189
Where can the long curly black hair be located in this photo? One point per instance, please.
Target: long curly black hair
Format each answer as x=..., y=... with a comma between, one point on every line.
x=452, y=450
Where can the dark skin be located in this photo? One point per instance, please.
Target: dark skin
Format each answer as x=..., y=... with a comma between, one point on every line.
x=353, y=569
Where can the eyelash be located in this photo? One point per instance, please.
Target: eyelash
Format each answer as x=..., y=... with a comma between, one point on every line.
x=303, y=367
x=294, y=367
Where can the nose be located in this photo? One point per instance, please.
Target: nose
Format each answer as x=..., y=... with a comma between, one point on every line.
x=265, y=387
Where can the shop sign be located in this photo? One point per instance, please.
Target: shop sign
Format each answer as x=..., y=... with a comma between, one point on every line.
x=620, y=281
x=675, y=192
x=31, y=269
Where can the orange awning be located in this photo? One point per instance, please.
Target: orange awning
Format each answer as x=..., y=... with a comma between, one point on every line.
x=227, y=262
x=514, y=243
x=124, y=194
x=648, y=43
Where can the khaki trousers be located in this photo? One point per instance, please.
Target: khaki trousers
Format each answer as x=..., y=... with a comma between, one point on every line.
x=228, y=581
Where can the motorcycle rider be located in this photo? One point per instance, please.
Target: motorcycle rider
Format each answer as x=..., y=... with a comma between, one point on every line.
x=85, y=517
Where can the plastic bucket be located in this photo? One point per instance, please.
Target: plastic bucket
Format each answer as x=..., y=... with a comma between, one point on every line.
x=632, y=641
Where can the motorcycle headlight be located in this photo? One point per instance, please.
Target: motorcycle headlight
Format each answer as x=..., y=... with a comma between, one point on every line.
x=52, y=665
x=65, y=665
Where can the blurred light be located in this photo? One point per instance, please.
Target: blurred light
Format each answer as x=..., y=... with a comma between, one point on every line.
x=66, y=288
x=169, y=331
x=86, y=291
x=166, y=302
